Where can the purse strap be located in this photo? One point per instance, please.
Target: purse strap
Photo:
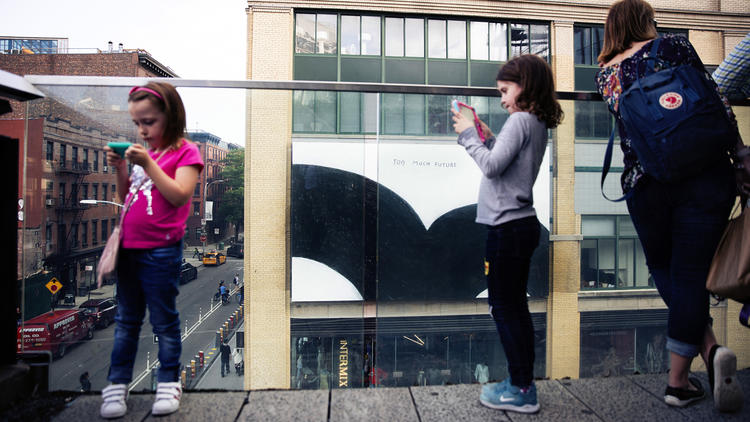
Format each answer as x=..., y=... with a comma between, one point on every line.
x=130, y=200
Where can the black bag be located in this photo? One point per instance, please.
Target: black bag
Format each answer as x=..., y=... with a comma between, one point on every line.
x=676, y=121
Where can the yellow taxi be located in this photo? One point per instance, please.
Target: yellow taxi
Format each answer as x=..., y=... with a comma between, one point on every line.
x=214, y=258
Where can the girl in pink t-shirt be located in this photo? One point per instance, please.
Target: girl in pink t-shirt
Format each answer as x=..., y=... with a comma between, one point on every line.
x=159, y=188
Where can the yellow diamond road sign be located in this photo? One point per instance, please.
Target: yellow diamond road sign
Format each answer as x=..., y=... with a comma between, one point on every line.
x=53, y=285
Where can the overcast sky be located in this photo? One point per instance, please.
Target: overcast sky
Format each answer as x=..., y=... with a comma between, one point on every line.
x=197, y=39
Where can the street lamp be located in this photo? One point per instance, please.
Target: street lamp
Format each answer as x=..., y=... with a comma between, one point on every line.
x=97, y=201
x=205, y=196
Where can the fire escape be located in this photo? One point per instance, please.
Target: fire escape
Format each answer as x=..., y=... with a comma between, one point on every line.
x=69, y=212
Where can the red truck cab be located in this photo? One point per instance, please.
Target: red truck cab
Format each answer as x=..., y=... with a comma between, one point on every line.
x=54, y=331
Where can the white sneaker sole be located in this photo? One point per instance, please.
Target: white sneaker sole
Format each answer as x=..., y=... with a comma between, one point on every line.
x=727, y=390
x=526, y=408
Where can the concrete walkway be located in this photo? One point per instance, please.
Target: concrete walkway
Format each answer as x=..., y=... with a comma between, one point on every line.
x=632, y=398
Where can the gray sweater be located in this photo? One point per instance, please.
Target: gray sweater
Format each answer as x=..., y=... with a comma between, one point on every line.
x=510, y=164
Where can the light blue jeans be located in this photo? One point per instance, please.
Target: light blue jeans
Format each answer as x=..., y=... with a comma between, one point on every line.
x=147, y=277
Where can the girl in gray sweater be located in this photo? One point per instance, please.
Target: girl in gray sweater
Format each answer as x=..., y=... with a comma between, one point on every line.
x=510, y=164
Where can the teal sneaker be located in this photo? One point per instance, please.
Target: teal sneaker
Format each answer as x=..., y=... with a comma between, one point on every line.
x=511, y=399
x=494, y=389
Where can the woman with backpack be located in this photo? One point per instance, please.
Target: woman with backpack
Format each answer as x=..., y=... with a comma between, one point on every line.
x=679, y=221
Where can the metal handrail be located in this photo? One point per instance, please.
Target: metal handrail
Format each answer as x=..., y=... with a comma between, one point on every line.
x=389, y=88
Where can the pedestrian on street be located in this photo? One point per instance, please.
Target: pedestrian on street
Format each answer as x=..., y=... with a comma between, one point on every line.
x=226, y=352
x=196, y=253
x=85, y=382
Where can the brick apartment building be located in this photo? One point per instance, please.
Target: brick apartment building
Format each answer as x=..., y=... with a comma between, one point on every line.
x=65, y=160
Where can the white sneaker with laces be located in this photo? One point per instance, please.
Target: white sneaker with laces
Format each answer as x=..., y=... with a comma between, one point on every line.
x=114, y=397
x=167, y=398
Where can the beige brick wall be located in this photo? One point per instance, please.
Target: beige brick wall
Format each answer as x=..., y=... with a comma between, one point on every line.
x=563, y=317
x=709, y=45
x=267, y=166
x=734, y=6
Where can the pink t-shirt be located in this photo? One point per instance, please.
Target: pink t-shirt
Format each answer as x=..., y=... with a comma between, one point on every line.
x=152, y=221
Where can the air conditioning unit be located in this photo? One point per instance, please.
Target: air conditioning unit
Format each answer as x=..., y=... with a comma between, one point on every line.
x=49, y=202
x=15, y=51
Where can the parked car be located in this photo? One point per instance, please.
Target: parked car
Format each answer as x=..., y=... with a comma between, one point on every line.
x=54, y=331
x=214, y=258
x=101, y=311
x=236, y=250
x=187, y=272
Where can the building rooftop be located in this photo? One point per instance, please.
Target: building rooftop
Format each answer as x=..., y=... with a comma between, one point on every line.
x=630, y=398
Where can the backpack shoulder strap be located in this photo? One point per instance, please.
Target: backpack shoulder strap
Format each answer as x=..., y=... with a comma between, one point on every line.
x=605, y=169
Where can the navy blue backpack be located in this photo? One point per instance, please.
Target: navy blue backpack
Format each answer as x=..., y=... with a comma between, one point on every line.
x=676, y=121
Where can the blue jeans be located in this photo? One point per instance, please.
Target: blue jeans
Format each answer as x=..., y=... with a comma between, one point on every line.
x=147, y=277
x=508, y=255
x=679, y=225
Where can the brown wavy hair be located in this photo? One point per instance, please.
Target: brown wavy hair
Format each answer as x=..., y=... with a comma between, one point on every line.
x=537, y=95
x=628, y=21
x=170, y=104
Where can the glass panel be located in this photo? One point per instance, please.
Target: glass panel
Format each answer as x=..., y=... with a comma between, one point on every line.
x=582, y=45
x=480, y=43
x=350, y=112
x=519, y=39
x=540, y=40
x=606, y=260
x=593, y=120
x=325, y=112
x=642, y=276
x=369, y=112
x=303, y=112
x=626, y=263
x=597, y=225
x=326, y=34
x=414, y=114
x=607, y=352
x=437, y=108
x=371, y=35
x=498, y=42
x=597, y=43
x=393, y=113
x=456, y=39
x=414, y=37
x=589, y=264
x=436, y=39
x=305, y=33
x=394, y=37
x=652, y=356
x=350, y=34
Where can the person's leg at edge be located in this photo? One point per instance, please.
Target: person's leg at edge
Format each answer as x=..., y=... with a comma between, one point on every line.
x=131, y=308
x=510, y=247
x=160, y=270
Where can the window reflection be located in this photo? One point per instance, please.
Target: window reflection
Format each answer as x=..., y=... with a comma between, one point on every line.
x=350, y=34
x=414, y=37
x=436, y=39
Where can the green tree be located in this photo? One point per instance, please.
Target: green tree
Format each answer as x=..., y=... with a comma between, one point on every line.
x=233, y=173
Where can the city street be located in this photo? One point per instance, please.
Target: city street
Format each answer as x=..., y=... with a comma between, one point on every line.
x=194, y=300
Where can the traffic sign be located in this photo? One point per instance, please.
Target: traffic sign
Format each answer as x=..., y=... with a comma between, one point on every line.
x=203, y=238
x=53, y=285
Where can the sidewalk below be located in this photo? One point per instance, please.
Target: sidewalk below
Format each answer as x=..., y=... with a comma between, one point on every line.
x=631, y=398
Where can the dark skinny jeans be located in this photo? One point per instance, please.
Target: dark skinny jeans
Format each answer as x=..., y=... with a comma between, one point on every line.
x=509, y=249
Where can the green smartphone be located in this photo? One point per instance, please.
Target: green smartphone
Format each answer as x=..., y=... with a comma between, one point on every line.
x=119, y=147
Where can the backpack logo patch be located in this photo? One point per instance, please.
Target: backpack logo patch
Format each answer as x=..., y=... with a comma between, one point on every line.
x=670, y=100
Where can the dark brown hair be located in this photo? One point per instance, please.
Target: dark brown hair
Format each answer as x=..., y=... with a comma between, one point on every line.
x=170, y=104
x=537, y=96
x=628, y=21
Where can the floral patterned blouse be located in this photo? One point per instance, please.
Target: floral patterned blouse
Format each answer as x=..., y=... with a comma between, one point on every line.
x=613, y=80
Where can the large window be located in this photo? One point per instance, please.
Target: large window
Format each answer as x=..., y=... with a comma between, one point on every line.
x=588, y=41
x=447, y=39
x=315, y=33
x=526, y=38
x=404, y=37
x=489, y=41
x=611, y=254
x=360, y=35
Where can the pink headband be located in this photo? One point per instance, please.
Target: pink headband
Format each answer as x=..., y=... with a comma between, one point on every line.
x=143, y=88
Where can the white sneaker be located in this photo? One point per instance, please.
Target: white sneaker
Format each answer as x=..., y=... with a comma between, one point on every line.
x=114, y=397
x=167, y=398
